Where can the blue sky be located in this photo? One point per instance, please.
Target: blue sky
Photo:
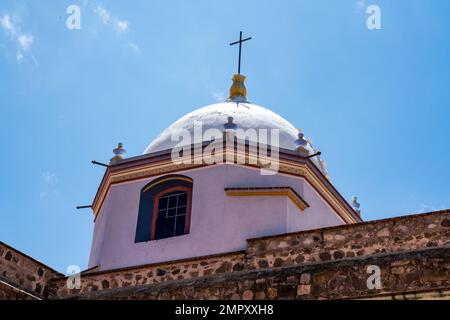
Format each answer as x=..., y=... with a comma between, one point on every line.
x=375, y=102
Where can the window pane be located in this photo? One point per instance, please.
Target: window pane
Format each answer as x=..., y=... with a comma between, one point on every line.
x=162, y=203
x=182, y=199
x=169, y=227
x=173, y=201
x=159, y=231
x=171, y=212
x=162, y=213
x=181, y=221
x=181, y=210
x=171, y=215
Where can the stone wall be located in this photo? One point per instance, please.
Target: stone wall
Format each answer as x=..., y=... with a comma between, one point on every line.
x=342, y=242
x=411, y=251
x=152, y=273
x=21, y=275
x=413, y=273
x=8, y=292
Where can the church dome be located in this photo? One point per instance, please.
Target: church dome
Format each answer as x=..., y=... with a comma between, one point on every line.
x=245, y=116
x=237, y=113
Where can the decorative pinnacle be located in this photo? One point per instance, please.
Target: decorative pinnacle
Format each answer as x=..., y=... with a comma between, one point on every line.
x=230, y=129
x=238, y=92
x=230, y=125
x=118, y=153
x=355, y=204
x=301, y=143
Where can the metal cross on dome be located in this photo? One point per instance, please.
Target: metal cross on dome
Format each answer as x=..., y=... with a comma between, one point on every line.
x=240, y=48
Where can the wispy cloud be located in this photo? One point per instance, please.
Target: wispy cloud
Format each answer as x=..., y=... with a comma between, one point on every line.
x=50, y=182
x=359, y=5
x=122, y=25
x=7, y=24
x=112, y=21
x=108, y=19
x=133, y=46
x=104, y=14
x=11, y=26
x=49, y=178
x=218, y=96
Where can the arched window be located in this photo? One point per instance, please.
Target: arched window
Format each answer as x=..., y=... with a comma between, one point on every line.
x=164, y=208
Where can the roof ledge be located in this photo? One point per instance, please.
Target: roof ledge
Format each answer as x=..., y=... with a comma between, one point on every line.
x=269, y=191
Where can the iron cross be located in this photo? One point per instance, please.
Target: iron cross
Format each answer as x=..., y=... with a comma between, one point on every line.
x=240, y=47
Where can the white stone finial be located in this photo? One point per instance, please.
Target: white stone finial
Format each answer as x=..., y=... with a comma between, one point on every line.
x=300, y=144
x=230, y=129
x=118, y=153
x=355, y=204
x=229, y=125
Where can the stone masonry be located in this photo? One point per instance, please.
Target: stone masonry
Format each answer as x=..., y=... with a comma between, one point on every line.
x=411, y=252
x=22, y=277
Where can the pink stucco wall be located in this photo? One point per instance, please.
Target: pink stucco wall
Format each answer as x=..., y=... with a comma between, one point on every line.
x=219, y=223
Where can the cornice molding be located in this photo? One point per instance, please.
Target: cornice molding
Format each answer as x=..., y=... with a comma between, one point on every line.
x=269, y=191
x=289, y=163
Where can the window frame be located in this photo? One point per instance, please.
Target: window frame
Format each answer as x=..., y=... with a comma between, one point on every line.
x=161, y=194
x=156, y=188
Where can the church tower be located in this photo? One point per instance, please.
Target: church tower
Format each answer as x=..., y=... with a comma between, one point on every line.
x=218, y=176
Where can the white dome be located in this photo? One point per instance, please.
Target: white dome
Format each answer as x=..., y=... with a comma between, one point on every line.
x=245, y=116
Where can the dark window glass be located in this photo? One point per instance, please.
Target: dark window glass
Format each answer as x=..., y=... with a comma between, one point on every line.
x=162, y=213
x=173, y=201
x=179, y=228
x=168, y=227
x=171, y=212
x=162, y=203
x=182, y=199
x=171, y=215
x=181, y=210
x=159, y=231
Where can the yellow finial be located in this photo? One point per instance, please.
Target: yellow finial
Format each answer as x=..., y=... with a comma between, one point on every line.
x=237, y=90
